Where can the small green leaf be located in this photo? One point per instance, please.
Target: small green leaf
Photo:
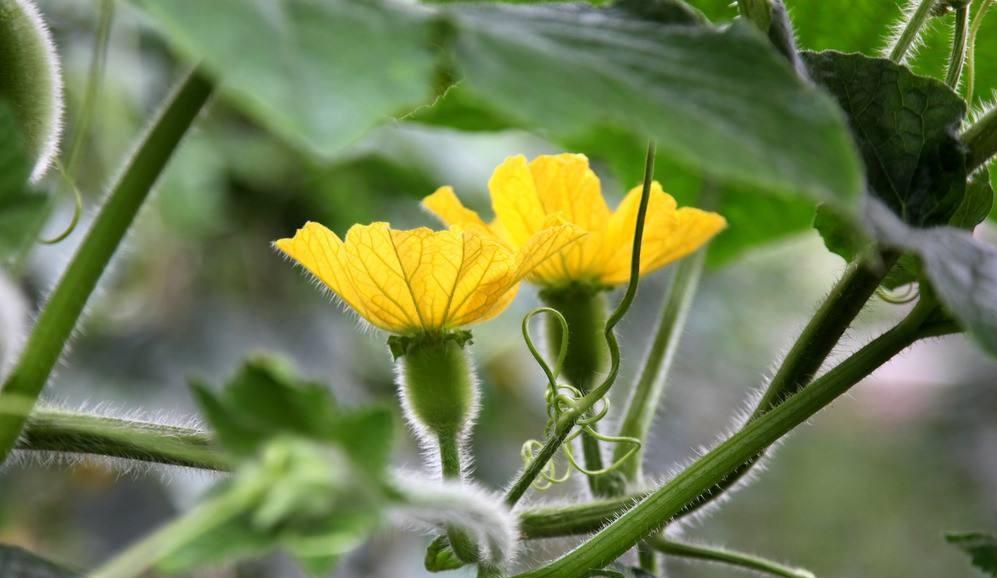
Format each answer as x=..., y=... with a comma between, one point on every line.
x=981, y=547
x=19, y=563
x=263, y=400
x=22, y=210
x=906, y=129
x=319, y=73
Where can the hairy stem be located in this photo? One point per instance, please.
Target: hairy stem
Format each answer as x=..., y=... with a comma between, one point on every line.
x=960, y=37
x=912, y=29
x=653, y=377
x=53, y=430
x=974, y=29
x=62, y=311
x=461, y=543
x=669, y=500
x=846, y=299
x=748, y=562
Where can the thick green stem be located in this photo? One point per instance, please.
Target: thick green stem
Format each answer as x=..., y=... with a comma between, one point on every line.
x=974, y=29
x=669, y=500
x=908, y=36
x=846, y=299
x=960, y=36
x=60, y=314
x=723, y=556
x=650, y=385
x=52, y=430
x=573, y=519
x=981, y=139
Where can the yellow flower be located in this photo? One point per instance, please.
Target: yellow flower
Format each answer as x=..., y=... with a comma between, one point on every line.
x=524, y=195
x=423, y=281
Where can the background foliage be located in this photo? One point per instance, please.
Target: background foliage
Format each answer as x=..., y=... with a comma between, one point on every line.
x=199, y=287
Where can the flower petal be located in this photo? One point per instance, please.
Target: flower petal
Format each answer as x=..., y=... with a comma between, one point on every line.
x=322, y=253
x=515, y=200
x=548, y=246
x=568, y=187
x=445, y=206
x=669, y=234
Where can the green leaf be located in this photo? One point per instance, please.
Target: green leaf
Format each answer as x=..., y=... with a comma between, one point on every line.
x=906, y=129
x=22, y=210
x=720, y=100
x=962, y=270
x=319, y=73
x=981, y=547
x=263, y=400
x=19, y=563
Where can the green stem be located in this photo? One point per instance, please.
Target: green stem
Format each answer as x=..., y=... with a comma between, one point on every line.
x=153, y=549
x=60, y=314
x=573, y=519
x=960, y=37
x=911, y=30
x=646, y=396
x=974, y=29
x=669, y=500
x=647, y=558
x=568, y=420
x=53, y=430
x=846, y=299
x=461, y=543
x=738, y=559
x=981, y=139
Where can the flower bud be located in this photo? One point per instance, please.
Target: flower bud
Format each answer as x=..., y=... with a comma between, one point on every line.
x=438, y=388
x=30, y=84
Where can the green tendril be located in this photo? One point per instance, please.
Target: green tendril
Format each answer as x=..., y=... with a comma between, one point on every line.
x=563, y=399
x=903, y=296
x=77, y=208
x=562, y=352
x=566, y=406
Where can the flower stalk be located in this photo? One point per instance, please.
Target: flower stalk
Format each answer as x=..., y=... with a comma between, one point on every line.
x=981, y=139
x=61, y=312
x=650, y=386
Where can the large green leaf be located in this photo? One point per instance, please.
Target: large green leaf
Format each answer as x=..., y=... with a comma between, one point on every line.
x=19, y=563
x=720, y=100
x=319, y=73
x=981, y=547
x=906, y=127
x=22, y=210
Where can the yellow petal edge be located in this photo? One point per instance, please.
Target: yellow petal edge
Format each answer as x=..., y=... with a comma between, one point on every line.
x=420, y=280
x=525, y=195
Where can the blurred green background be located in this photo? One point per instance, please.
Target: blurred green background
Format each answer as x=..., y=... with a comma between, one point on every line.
x=866, y=490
